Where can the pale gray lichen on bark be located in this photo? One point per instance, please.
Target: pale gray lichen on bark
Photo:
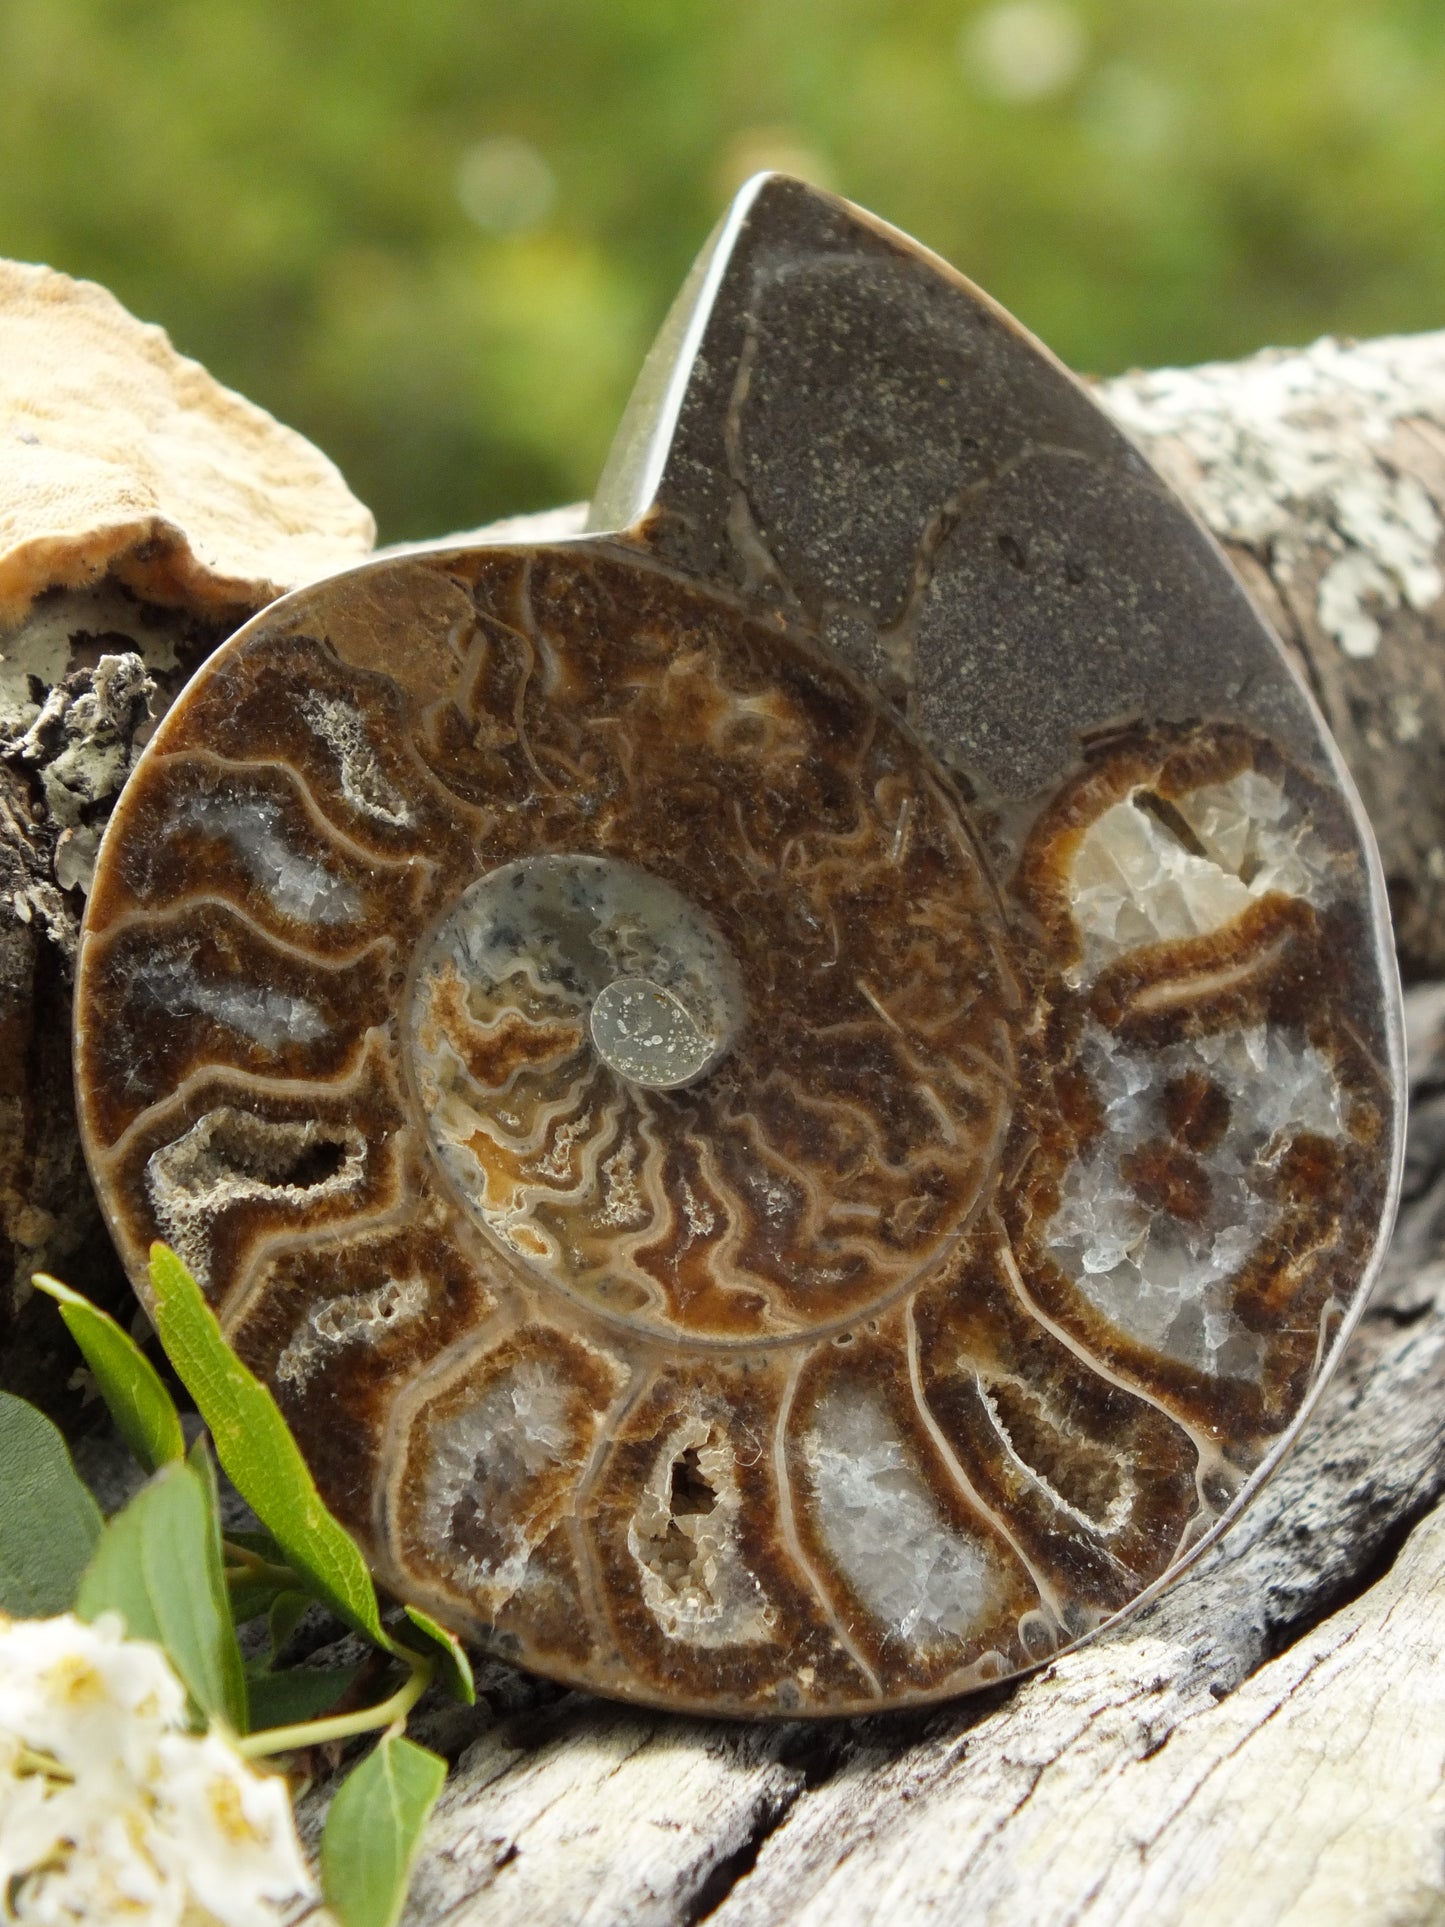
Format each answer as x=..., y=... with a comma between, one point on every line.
x=1288, y=454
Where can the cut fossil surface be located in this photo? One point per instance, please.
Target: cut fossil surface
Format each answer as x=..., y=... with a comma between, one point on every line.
x=794, y=1095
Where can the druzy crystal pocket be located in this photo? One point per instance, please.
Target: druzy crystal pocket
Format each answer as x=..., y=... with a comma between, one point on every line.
x=795, y=1094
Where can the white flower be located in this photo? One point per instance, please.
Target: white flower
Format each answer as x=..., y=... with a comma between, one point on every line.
x=111, y=1809
x=234, y=1827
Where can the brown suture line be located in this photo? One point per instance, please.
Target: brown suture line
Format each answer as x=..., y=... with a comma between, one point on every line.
x=1047, y=1597
x=306, y=796
x=173, y=912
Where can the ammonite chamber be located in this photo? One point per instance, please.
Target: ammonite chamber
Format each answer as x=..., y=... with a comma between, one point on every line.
x=794, y=1095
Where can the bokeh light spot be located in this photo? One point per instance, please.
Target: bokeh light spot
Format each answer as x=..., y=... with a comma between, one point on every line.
x=1024, y=49
x=505, y=185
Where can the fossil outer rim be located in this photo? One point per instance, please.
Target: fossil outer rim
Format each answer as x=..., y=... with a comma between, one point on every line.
x=1110, y=1103
x=1037, y=883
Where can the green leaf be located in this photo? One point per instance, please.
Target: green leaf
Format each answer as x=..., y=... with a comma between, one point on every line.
x=297, y=1693
x=256, y=1448
x=158, y=1564
x=130, y=1385
x=288, y=1609
x=203, y=1466
x=254, y=1593
x=456, y=1668
x=48, y=1521
x=374, y=1829
x=253, y=1598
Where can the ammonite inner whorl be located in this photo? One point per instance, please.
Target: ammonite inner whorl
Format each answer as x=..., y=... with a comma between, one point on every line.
x=794, y=1102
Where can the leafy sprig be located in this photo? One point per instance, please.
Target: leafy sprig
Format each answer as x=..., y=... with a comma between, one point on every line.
x=167, y=1567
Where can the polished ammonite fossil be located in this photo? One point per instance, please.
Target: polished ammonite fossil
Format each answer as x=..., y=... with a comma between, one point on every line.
x=793, y=1095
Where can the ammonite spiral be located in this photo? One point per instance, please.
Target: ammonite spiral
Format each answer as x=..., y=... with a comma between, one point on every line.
x=793, y=1096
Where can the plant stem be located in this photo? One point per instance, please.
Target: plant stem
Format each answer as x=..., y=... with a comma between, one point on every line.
x=250, y=1565
x=344, y=1726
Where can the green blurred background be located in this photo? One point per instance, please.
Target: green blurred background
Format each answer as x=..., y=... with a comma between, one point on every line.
x=437, y=235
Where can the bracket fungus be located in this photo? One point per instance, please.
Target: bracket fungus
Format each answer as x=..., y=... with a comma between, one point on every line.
x=145, y=513
x=796, y=1092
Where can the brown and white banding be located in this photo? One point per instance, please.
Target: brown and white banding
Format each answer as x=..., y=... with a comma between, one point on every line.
x=742, y=1347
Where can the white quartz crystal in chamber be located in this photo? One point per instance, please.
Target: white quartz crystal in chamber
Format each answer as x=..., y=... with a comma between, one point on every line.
x=1163, y=1276
x=1149, y=870
x=920, y=1577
